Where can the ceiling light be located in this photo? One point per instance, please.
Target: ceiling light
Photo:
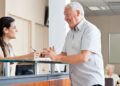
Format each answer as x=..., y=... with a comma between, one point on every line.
x=112, y=0
x=104, y=8
x=94, y=8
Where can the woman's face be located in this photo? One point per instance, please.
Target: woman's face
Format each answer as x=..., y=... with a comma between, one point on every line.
x=10, y=32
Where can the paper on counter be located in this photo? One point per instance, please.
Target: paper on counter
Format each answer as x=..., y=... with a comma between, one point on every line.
x=42, y=59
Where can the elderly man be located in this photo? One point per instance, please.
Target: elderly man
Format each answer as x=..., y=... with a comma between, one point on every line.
x=82, y=49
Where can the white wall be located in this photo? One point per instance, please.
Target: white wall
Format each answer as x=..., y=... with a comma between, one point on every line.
x=29, y=9
x=33, y=12
x=57, y=25
x=107, y=24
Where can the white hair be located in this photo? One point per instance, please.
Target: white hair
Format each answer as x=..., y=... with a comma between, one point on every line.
x=77, y=6
x=110, y=66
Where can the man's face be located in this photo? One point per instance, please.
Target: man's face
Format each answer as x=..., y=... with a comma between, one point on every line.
x=71, y=17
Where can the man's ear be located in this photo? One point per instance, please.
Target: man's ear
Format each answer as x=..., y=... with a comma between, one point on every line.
x=5, y=30
x=78, y=13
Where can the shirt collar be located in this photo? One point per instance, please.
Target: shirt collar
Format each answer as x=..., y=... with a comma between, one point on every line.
x=80, y=24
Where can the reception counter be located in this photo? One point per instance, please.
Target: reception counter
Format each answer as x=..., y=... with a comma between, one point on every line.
x=40, y=80
x=51, y=79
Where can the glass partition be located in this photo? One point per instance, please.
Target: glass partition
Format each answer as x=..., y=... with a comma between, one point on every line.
x=36, y=67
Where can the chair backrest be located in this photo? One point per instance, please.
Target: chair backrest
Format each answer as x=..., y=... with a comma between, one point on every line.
x=108, y=82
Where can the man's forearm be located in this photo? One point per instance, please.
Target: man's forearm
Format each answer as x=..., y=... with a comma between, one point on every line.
x=75, y=59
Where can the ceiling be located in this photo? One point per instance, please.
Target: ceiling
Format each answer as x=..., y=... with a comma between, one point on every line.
x=104, y=7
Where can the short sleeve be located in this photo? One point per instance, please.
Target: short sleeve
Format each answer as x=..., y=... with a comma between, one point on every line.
x=1, y=52
x=91, y=40
x=65, y=43
x=64, y=47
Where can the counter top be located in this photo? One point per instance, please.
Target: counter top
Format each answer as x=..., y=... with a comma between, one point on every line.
x=32, y=61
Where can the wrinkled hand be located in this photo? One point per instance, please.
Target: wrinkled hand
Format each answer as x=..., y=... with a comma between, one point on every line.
x=44, y=52
x=50, y=52
x=53, y=55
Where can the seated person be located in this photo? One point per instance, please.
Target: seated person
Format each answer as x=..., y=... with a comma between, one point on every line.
x=110, y=74
x=7, y=32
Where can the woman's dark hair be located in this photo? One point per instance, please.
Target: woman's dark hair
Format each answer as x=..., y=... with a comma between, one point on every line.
x=4, y=22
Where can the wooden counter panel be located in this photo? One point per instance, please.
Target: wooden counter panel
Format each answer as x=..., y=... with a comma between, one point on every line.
x=61, y=82
x=34, y=84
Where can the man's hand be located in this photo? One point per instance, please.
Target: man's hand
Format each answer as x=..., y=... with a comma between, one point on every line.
x=44, y=52
x=50, y=52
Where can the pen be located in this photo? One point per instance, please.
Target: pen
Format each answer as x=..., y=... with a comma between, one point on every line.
x=34, y=50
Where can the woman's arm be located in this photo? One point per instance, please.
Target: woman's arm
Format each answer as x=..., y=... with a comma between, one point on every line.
x=25, y=57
